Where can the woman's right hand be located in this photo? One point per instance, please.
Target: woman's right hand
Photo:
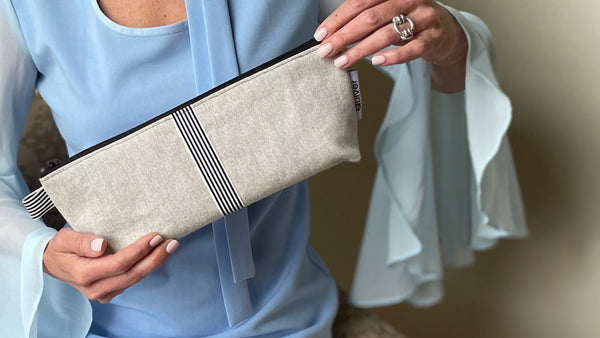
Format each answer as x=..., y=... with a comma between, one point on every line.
x=79, y=260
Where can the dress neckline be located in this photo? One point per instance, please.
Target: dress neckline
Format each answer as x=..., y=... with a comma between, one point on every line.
x=135, y=31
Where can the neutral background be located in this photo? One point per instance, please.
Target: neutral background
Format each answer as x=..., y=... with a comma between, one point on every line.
x=549, y=284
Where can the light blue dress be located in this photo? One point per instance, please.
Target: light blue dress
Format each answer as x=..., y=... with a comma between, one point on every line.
x=101, y=78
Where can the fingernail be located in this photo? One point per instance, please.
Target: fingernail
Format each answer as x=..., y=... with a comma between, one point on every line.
x=320, y=34
x=341, y=61
x=378, y=59
x=172, y=246
x=155, y=240
x=324, y=50
x=96, y=245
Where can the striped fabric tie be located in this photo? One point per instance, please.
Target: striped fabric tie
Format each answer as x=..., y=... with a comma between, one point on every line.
x=38, y=203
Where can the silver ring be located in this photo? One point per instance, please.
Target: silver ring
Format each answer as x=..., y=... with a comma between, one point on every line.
x=407, y=33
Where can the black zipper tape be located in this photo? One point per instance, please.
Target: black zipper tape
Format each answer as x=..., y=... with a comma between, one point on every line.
x=307, y=45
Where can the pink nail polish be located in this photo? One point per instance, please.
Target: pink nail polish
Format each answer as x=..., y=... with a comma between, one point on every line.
x=378, y=60
x=324, y=50
x=320, y=34
x=341, y=61
x=96, y=244
x=172, y=246
x=156, y=240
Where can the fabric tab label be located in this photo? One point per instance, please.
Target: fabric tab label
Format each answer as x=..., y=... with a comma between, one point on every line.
x=356, y=92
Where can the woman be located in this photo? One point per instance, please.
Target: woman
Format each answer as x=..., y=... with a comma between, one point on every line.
x=100, y=65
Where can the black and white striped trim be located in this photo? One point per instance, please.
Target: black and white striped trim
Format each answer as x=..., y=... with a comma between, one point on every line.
x=38, y=203
x=219, y=184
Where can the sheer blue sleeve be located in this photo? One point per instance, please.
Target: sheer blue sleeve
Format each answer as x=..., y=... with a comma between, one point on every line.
x=26, y=292
x=445, y=184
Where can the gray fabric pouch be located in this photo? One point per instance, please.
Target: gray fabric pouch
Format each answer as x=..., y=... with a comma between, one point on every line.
x=253, y=136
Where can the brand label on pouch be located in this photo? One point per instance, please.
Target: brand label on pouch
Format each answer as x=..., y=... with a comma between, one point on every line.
x=356, y=92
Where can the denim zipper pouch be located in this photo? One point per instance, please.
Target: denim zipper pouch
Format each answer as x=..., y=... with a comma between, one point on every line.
x=259, y=133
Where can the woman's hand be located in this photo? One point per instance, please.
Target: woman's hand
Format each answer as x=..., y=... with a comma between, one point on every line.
x=78, y=259
x=438, y=38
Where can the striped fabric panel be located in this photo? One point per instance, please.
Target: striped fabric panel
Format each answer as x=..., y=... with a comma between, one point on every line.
x=38, y=203
x=219, y=184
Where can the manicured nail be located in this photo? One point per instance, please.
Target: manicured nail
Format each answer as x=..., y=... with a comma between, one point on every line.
x=172, y=246
x=341, y=61
x=156, y=240
x=320, y=34
x=324, y=50
x=378, y=60
x=96, y=245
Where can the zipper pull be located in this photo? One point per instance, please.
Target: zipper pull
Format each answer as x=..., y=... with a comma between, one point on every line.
x=50, y=166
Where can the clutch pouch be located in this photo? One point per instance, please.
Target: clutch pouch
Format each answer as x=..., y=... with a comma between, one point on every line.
x=217, y=153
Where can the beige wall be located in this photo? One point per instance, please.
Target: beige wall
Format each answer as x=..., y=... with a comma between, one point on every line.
x=549, y=284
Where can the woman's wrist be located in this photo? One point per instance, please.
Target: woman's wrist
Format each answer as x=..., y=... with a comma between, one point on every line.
x=448, y=72
x=449, y=78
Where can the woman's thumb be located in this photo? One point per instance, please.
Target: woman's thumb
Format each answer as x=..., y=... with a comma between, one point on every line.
x=85, y=245
x=97, y=245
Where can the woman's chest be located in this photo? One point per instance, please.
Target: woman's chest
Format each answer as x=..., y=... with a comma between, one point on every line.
x=144, y=13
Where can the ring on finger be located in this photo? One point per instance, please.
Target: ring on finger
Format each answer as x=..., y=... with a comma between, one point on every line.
x=407, y=33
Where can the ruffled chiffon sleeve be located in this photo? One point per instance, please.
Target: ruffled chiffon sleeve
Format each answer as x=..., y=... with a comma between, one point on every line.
x=26, y=292
x=445, y=184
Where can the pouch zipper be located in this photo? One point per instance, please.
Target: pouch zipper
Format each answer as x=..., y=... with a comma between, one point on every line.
x=297, y=50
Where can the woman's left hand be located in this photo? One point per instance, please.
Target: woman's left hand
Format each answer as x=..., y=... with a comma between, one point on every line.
x=437, y=38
